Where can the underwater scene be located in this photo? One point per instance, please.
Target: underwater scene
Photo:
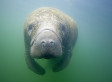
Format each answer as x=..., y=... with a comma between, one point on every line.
x=91, y=59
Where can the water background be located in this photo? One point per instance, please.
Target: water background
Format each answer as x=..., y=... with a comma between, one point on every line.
x=92, y=55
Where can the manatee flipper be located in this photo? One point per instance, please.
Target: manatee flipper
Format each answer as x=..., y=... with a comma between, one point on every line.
x=63, y=62
x=34, y=66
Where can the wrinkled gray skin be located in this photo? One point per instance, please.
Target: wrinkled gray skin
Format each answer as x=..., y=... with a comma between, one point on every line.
x=49, y=34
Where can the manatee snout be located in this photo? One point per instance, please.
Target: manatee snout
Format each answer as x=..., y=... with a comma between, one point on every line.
x=46, y=44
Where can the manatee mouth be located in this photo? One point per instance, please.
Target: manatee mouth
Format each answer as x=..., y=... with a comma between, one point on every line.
x=48, y=56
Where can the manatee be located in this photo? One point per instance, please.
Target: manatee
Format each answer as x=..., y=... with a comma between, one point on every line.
x=49, y=34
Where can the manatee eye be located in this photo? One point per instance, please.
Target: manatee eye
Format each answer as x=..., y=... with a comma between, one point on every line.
x=30, y=29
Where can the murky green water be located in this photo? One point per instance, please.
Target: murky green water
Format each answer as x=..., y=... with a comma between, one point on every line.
x=92, y=55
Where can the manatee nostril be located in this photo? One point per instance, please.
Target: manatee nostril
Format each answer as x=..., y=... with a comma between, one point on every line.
x=51, y=43
x=43, y=43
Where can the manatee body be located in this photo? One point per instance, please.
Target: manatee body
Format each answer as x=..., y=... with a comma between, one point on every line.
x=49, y=34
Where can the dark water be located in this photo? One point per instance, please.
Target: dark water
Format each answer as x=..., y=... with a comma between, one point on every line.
x=92, y=55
